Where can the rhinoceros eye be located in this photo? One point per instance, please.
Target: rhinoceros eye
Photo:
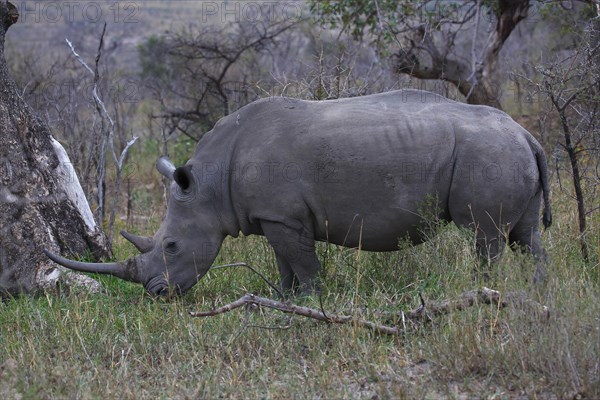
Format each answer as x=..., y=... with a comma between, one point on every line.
x=170, y=247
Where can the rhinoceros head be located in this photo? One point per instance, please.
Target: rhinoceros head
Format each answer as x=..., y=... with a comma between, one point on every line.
x=183, y=248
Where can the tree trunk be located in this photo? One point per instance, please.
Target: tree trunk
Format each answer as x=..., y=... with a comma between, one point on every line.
x=479, y=86
x=572, y=152
x=42, y=204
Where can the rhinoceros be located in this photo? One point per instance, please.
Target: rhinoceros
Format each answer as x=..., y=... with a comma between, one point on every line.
x=354, y=172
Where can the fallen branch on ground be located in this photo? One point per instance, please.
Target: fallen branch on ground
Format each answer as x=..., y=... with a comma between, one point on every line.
x=471, y=298
x=467, y=299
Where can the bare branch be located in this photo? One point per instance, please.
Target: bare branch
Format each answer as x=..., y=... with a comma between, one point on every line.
x=243, y=264
x=125, y=150
x=107, y=136
x=467, y=299
x=211, y=65
x=95, y=74
x=79, y=58
x=101, y=109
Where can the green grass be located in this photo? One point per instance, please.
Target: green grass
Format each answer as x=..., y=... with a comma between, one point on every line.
x=124, y=344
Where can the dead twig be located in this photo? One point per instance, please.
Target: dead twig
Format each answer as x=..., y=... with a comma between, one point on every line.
x=107, y=132
x=289, y=308
x=467, y=299
x=470, y=299
x=243, y=264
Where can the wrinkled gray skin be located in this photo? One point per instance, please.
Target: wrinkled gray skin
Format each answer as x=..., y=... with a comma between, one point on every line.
x=353, y=172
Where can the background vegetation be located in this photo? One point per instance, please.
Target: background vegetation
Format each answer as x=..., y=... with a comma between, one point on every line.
x=169, y=82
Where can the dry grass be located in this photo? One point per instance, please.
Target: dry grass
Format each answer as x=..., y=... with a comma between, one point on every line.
x=123, y=344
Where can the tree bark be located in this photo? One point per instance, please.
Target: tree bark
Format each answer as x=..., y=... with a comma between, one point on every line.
x=42, y=204
x=479, y=86
x=572, y=152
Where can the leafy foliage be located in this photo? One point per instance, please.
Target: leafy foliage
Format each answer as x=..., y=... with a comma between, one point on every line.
x=387, y=18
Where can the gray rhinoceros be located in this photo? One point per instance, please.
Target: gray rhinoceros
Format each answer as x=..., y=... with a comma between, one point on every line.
x=353, y=172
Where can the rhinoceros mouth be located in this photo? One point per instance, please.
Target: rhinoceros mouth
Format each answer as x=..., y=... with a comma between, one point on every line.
x=158, y=287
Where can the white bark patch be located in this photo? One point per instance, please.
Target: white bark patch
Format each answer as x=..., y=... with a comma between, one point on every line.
x=49, y=277
x=69, y=181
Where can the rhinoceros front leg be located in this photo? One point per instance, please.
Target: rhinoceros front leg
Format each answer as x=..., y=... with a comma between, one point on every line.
x=288, y=280
x=296, y=258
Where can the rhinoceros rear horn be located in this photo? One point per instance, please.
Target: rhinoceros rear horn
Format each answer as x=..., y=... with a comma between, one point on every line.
x=142, y=243
x=165, y=167
x=127, y=270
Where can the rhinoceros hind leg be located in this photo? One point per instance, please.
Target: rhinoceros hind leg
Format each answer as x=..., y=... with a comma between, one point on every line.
x=489, y=250
x=525, y=236
x=296, y=258
x=490, y=239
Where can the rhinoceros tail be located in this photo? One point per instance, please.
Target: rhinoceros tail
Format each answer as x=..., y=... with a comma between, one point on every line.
x=542, y=165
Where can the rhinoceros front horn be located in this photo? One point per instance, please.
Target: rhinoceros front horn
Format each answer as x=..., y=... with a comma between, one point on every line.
x=165, y=167
x=127, y=270
x=142, y=243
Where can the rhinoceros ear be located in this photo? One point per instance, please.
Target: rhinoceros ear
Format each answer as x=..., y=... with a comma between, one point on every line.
x=183, y=177
x=165, y=167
